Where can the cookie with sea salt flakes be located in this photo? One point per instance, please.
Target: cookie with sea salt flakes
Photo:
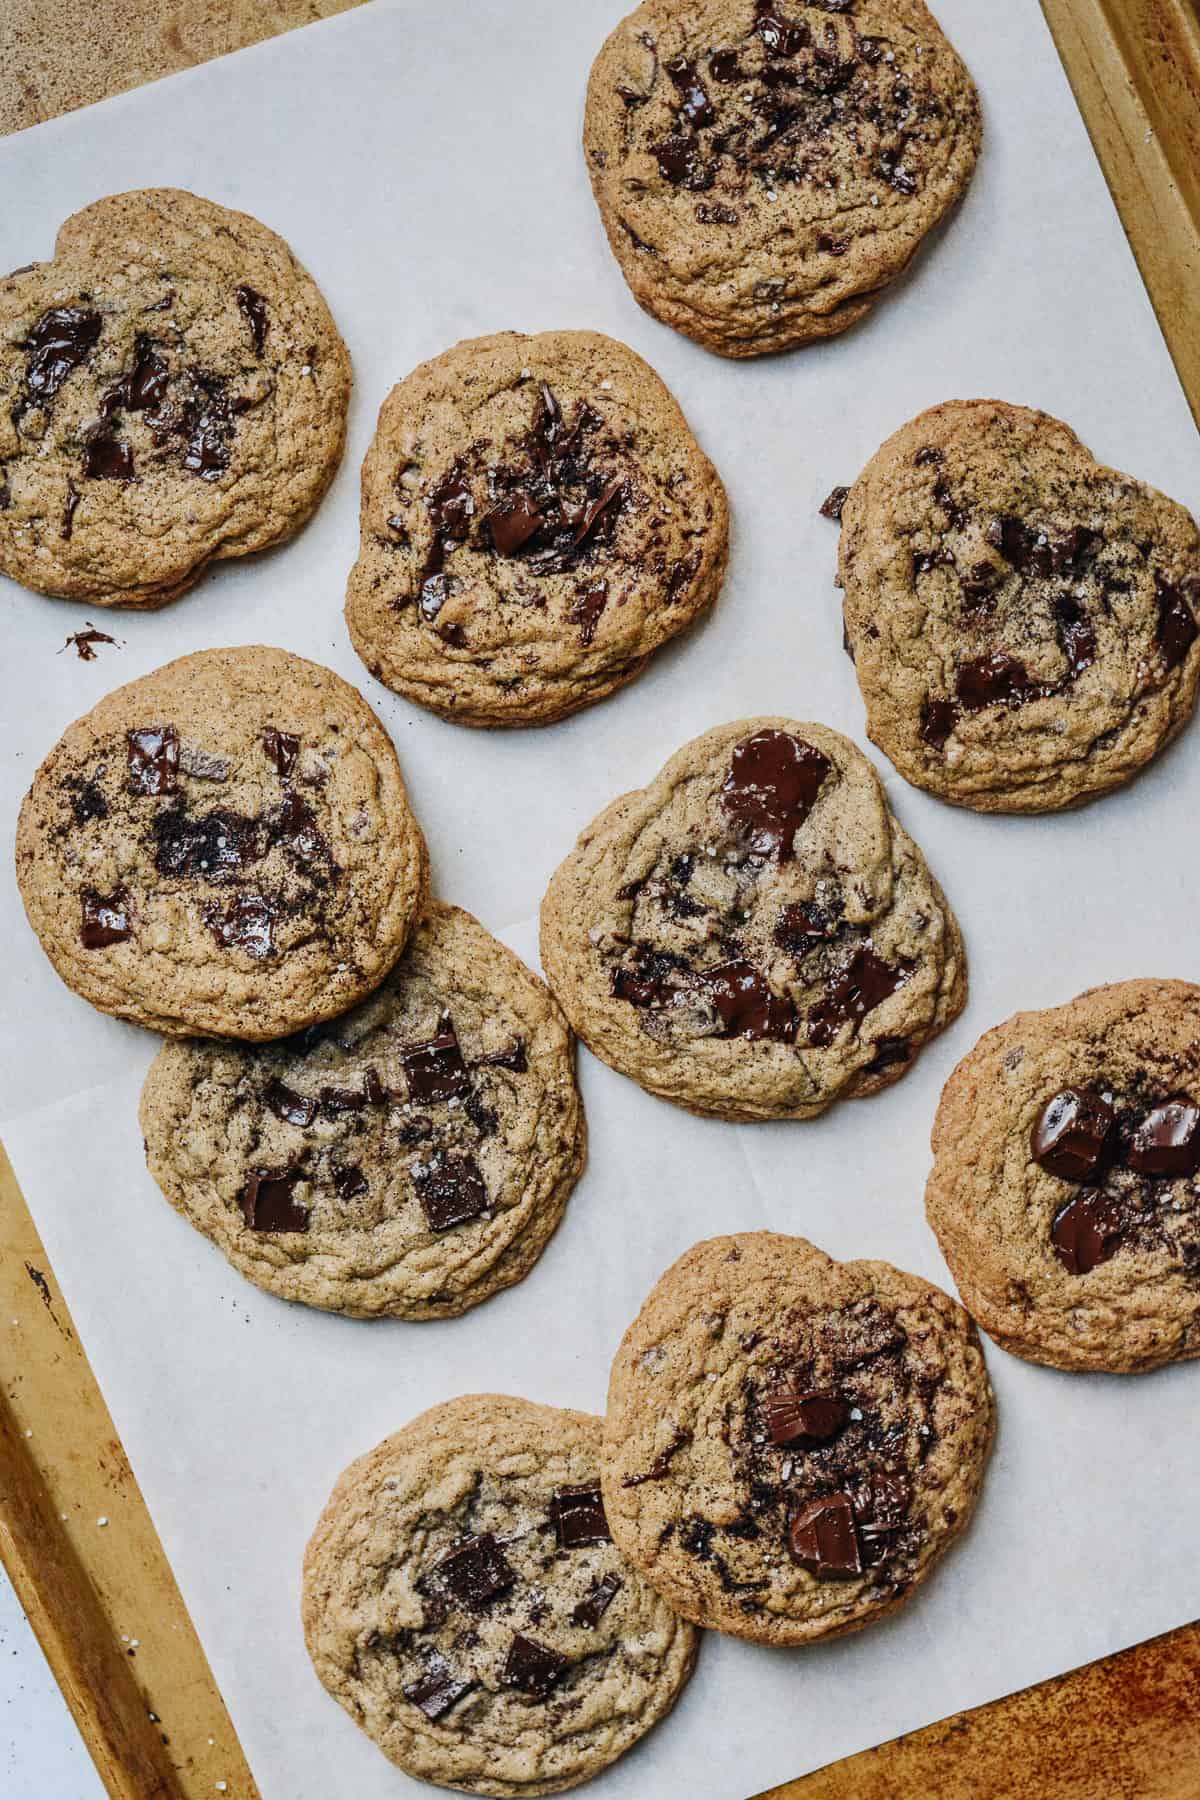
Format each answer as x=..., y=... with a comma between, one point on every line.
x=1023, y=621
x=223, y=846
x=1065, y=1190
x=463, y=1600
x=537, y=520
x=792, y=1442
x=753, y=935
x=173, y=391
x=765, y=168
x=410, y=1158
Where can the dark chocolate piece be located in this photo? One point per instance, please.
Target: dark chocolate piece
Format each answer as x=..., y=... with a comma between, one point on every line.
x=1072, y=1136
x=1075, y=634
x=104, y=919
x=288, y=1105
x=813, y=1417
x=747, y=1006
x=823, y=1538
x=694, y=105
x=348, y=1180
x=593, y=1606
x=254, y=310
x=215, y=846
x=511, y=1057
x=772, y=786
x=882, y=1508
x=152, y=755
x=865, y=983
x=248, y=923
x=336, y=1102
x=660, y=1468
x=451, y=1191
x=586, y=610
x=831, y=508
x=577, y=1514
x=63, y=338
x=107, y=459
x=476, y=1571
x=268, y=1202
x=938, y=719
x=84, y=642
x=438, y=1690
x=1167, y=1142
x=282, y=749
x=1086, y=1232
x=993, y=680
x=436, y=1070
x=533, y=1668
x=514, y=523
x=1177, y=607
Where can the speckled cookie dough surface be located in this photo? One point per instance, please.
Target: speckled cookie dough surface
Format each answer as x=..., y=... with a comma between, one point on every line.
x=410, y=1158
x=753, y=935
x=464, y=1602
x=173, y=390
x=1065, y=1191
x=1022, y=620
x=764, y=168
x=223, y=846
x=792, y=1442
x=537, y=519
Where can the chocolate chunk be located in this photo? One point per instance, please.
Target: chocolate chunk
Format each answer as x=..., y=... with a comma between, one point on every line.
x=595, y=509
x=924, y=560
x=577, y=1514
x=66, y=530
x=1167, y=1142
x=152, y=755
x=63, y=338
x=1073, y=1134
x=288, y=1105
x=511, y=1057
x=780, y=37
x=772, y=786
x=216, y=846
x=823, y=1538
x=831, y=508
x=476, y=1571
x=280, y=748
x=660, y=1468
x=695, y=105
x=268, y=1202
x=994, y=680
x=1075, y=634
x=336, y=1102
x=451, y=1191
x=1086, y=1232
x=865, y=983
x=348, y=1180
x=438, y=1690
x=1026, y=550
x=586, y=610
x=800, y=927
x=1176, y=618
x=248, y=923
x=514, y=523
x=373, y=1089
x=678, y=157
x=882, y=1508
x=294, y=826
x=533, y=1668
x=888, y=1052
x=747, y=1005
x=814, y=1418
x=254, y=309
x=105, y=919
x=436, y=1070
x=723, y=65
x=593, y=1606
x=84, y=642
x=938, y=719
x=145, y=385
x=205, y=423
x=653, y=978
x=1069, y=553
x=107, y=459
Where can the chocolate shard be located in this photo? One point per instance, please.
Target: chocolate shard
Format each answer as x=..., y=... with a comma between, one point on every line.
x=577, y=1514
x=1177, y=607
x=451, y=1191
x=882, y=1506
x=660, y=1468
x=513, y=524
x=587, y=609
x=513, y=1057
x=104, y=919
x=438, y=1690
x=348, y=1180
x=823, y=1538
x=280, y=748
x=268, y=1201
x=533, y=1668
x=593, y=1606
x=107, y=458
x=288, y=1105
x=1167, y=1141
x=748, y=1006
x=152, y=755
x=813, y=1418
x=254, y=310
x=863, y=984
x=1086, y=1232
x=435, y=1069
x=63, y=338
x=476, y=1571
x=831, y=508
x=248, y=923
x=1072, y=1135
x=938, y=719
x=773, y=783
x=337, y=1101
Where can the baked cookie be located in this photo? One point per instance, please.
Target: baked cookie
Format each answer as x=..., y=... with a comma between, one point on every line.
x=411, y=1158
x=1022, y=620
x=1065, y=1190
x=764, y=168
x=224, y=846
x=172, y=391
x=753, y=935
x=792, y=1442
x=537, y=519
x=464, y=1602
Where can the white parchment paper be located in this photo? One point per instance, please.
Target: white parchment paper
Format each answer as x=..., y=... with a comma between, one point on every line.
x=424, y=162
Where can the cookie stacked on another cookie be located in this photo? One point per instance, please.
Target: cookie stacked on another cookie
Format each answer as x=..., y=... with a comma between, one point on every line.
x=1023, y=621
x=1065, y=1190
x=173, y=391
x=464, y=1601
x=537, y=519
x=410, y=1158
x=753, y=935
x=765, y=168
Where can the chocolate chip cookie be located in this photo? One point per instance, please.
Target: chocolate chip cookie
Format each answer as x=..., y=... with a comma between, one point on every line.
x=1022, y=620
x=792, y=1442
x=464, y=1601
x=537, y=519
x=753, y=935
x=224, y=846
x=172, y=391
x=1065, y=1190
x=410, y=1158
x=764, y=168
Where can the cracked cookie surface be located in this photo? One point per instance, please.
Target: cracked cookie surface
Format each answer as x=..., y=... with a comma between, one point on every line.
x=464, y=1602
x=792, y=1442
x=173, y=390
x=753, y=935
x=537, y=519
x=764, y=168
x=1022, y=620
x=408, y=1159
x=223, y=846
x=1065, y=1190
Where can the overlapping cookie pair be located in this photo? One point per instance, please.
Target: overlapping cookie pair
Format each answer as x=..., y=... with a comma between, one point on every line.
x=504, y=1596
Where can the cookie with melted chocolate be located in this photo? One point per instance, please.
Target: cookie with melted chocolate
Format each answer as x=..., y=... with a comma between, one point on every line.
x=464, y=1601
x=792, y=1443
x=410, y=1159
x=1023, y=621
x=223, y=846
x=1065, y=1190
x=765, y=168
x=537, y=519
x=753, y=935
x=173, y=391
